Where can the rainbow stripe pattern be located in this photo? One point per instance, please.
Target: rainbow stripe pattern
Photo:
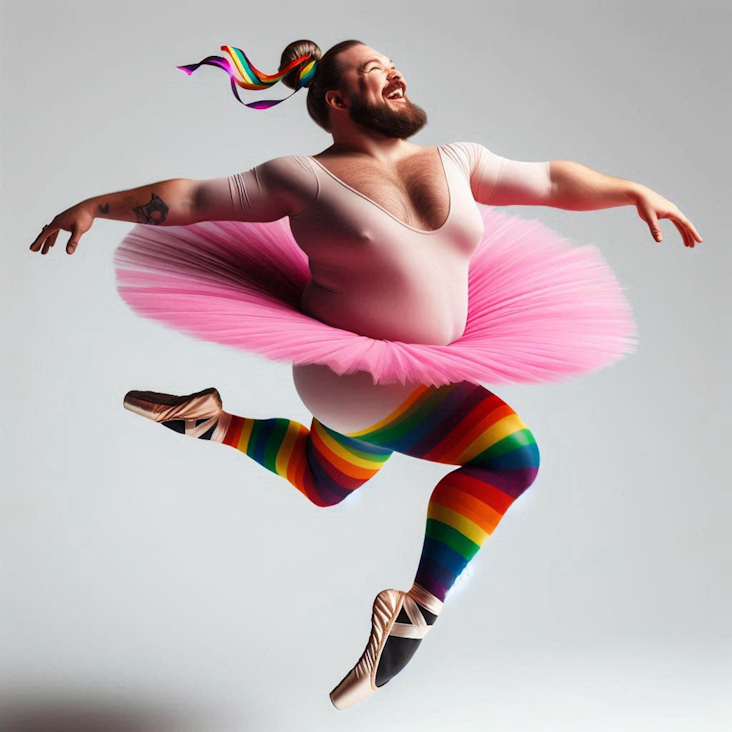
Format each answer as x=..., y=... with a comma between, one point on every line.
x=324, y=465
x=459, y=424
x=243, y=73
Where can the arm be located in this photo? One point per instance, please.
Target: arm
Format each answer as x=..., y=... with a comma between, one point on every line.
x=564, y=184
x=498, y=181
x=578, y=188
x=285, y=186
x=281, y=187
x=167, y=202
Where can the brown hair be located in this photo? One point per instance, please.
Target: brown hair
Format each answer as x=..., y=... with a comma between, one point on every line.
x=328, y=75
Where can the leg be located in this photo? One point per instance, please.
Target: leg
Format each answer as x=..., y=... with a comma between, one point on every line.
x=460, y=424
x=324, y=465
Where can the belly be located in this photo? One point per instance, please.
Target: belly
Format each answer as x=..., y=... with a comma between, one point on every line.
x=348, y=403
x=416, y=307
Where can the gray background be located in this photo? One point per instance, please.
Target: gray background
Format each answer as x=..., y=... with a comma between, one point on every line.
x=153, y=581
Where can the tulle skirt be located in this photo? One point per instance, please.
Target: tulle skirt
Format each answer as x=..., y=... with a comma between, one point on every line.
x=540, y=308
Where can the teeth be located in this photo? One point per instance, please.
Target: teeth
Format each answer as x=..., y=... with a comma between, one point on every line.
x=396, y=94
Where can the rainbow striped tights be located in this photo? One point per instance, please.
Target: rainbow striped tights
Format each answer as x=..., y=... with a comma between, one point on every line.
x=459, y=424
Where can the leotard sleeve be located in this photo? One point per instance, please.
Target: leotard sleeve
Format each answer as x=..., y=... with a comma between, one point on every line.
x=498, y=181
x=280, y=187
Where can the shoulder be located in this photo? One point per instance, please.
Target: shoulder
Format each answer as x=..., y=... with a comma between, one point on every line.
x=290, y=177
x=469, y=156
x=285, y=171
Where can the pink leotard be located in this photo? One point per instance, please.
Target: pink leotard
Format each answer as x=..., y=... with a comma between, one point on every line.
x=372, y=273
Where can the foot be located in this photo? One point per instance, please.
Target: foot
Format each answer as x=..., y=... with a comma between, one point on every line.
x=399, y=622
x=198, y=415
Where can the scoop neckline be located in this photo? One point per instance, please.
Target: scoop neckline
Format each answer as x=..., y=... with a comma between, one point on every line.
x=389, y=213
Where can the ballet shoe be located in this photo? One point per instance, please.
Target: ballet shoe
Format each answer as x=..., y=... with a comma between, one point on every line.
x=399, y=622
x=196, y=415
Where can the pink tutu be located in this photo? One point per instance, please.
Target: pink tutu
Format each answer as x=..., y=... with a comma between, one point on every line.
x=540, y=309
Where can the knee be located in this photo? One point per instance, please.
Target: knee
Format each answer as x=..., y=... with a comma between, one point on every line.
x=516, y=463
x=525, y=459
x=328, y=502
x=326, y=495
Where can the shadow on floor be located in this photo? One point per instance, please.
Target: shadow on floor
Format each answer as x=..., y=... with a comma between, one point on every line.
x=32, y=714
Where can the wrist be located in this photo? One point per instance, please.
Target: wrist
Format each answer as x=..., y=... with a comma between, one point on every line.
x=635, y=191
x=92, y=207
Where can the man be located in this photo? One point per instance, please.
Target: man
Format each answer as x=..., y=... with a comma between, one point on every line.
x=389, y=228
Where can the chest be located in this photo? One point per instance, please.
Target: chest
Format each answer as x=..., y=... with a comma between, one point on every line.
x=415, y=191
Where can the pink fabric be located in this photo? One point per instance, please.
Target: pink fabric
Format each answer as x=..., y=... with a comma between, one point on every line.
x=372, y=270
x=540, y=309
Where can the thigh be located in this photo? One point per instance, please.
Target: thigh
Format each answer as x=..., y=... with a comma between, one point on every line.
x=457, y=424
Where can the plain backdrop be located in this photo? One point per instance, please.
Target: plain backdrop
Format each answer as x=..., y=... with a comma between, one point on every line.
x=152, y=582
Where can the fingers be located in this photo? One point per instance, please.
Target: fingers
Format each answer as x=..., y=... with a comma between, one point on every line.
x=689, y=234
x=46, y=239
x=49, y=233
x=649, y=216
x=50, y=241
x=685, y=234
x=679, y=219
x=695, y=234
x=73, y=240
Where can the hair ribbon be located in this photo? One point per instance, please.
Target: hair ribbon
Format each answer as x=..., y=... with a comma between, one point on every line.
x=244, y=74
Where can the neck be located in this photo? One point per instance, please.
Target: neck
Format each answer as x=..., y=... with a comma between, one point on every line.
x=352, y=139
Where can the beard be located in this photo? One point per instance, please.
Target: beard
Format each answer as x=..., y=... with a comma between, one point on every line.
x=386, y=119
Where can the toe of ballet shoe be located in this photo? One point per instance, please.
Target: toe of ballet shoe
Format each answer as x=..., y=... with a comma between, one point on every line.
x=352, y=690
x=161, y=407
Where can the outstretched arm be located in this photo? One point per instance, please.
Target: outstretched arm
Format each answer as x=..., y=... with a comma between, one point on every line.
x=280, y=187
x=498, y=181
x=578, y=188
x=167, y=202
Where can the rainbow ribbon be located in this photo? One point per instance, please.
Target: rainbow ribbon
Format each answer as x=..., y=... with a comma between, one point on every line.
x=244, y=74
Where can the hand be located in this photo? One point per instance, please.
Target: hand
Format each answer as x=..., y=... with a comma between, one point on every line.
x=652, y=207
x=77, y=219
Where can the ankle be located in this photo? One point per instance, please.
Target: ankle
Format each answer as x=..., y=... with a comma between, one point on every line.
x=236, y=430
x=431, y=605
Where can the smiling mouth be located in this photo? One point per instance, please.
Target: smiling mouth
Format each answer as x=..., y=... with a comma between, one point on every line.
x=395, y=95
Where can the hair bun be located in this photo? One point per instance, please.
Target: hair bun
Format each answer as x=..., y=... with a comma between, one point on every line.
x=295, y=50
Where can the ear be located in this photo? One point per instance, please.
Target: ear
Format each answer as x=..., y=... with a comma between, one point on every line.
x=334, y=98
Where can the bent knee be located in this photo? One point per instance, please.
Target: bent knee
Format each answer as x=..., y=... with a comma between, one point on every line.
x=514, y=459
x=327, y=495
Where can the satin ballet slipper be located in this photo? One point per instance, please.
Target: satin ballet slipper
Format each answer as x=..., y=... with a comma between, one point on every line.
x=399, y=622
x=196, y=415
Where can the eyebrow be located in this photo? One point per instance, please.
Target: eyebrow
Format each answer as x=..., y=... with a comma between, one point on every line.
x=371, y=60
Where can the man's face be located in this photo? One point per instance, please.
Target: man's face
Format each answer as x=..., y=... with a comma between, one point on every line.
x=376, y=94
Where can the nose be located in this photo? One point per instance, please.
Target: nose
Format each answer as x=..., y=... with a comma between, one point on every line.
x=395, y=75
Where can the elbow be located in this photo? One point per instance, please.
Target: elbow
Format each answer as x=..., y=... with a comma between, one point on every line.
x=563, y=179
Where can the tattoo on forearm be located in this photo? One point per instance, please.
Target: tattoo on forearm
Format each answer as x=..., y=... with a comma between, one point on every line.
x=103, y=208
x=153, y=212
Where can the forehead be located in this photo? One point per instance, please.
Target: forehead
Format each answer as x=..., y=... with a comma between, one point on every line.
x=356, y=56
